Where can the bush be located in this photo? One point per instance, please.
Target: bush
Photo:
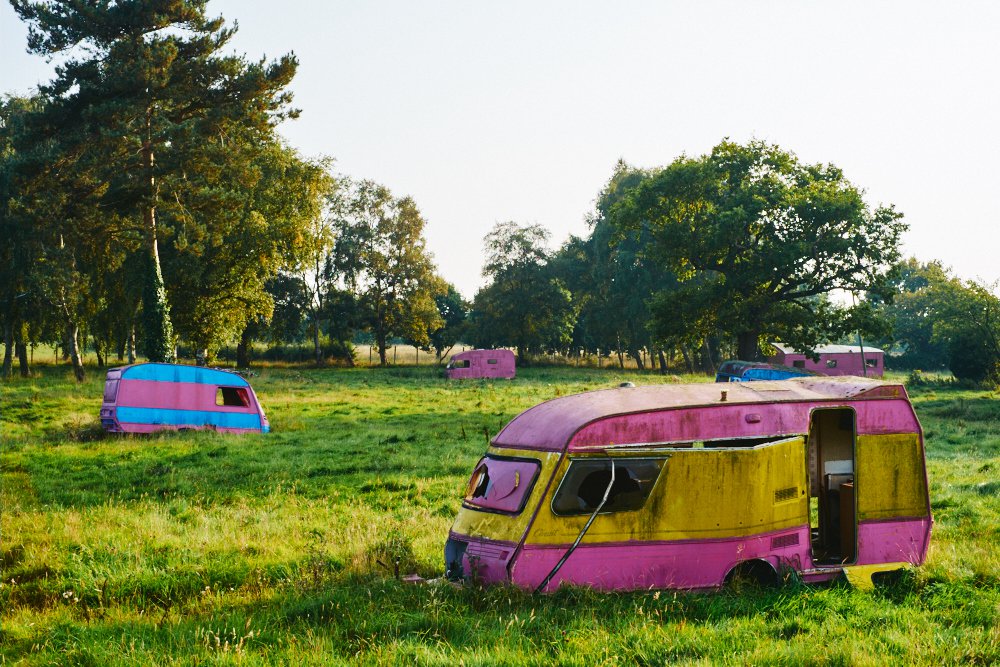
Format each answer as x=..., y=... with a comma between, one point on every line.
x=972, y=359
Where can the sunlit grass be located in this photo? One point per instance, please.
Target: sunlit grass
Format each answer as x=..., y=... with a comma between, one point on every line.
x=281, y=549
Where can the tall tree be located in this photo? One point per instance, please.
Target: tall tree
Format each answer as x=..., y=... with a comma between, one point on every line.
x=454, y=312
x=223, y=254
x=525, y=305
x=384, y=256
x=755, y=236
x=908, y=305
x=144, y=100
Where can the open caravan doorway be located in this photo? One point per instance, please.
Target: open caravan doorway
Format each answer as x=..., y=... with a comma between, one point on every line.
x=832, y=515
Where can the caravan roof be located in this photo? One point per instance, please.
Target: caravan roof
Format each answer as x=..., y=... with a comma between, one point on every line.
x=551, y=424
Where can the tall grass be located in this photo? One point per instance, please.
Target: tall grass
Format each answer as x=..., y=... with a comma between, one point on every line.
x=204, y=548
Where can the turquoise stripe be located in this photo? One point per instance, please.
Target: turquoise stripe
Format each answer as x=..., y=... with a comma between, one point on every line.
x=179, y=373
x=188, y=418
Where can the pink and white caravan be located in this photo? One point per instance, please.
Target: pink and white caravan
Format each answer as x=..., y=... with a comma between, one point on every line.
x=473, y=364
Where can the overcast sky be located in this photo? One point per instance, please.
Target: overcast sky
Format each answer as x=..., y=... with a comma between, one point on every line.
x=486, y=112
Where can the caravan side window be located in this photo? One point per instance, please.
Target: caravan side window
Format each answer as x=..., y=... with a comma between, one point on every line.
x=583, y=487
x=232, y=397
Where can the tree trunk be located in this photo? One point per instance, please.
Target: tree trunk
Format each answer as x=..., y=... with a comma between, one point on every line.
x=708, y=364
x=746, y=345
x=22, y=358
x=635, y=354
x=99, y=348
x=687, y=359
x=243, y=349
x=130, y=343
x=156, y=310
x=317, y=350
x=201, y=357
x=663, y=362
x=8, y=351
x=72, y=331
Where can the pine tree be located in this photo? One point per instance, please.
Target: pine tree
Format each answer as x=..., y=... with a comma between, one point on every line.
x=142, y=103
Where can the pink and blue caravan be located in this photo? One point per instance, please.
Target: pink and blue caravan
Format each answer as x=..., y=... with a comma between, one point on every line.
x=152, y=397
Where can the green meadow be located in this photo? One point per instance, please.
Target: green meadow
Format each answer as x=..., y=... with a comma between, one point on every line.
x=201, y=548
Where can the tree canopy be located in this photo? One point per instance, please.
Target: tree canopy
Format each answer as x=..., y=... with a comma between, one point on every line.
x=152, y=133
x=755, y=238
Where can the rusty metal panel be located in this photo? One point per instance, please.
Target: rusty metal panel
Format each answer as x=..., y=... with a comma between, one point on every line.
x=890, y=476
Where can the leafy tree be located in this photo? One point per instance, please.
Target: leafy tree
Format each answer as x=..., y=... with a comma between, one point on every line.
x=754, y=236
x=454, y=312
x=623, y=277
x=222, y=259
x=142, y=106
x=382, y=252
x=967, y=319
x=907, y=304
x=525, y=305
x=18, y=249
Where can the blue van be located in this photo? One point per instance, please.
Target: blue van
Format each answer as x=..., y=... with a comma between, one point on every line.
x=750, y=371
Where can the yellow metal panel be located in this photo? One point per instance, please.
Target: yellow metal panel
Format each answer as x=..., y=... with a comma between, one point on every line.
x=495, y=526
x=860, y=576
x=890, y=476
x=701, y=494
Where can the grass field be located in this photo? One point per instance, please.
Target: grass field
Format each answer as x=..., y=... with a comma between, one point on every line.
x=202, y=548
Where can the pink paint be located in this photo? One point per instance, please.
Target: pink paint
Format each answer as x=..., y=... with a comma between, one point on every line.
x=178, y=395
x=834, y=360
x=737, y=421
x=133, y=427
x=894, y=541
x=643, y=413
x=691, y=564
x=473, y=364
x=688, y=564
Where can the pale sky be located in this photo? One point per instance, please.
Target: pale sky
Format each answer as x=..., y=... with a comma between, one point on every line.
x=487, y=112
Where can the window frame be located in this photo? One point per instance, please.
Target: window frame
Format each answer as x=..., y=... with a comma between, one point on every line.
x=524, y=498
x=241, y=392
x=617, y=459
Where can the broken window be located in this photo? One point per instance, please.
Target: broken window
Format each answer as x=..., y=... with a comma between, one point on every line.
x=458, y=363
x=831, y=363
x=501, y=484
x=871, y=363
x=586, y=481
x=799, y=363
x=234, y=397
x=110, y=391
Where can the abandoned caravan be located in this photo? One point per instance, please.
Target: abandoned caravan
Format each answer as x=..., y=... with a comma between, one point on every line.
x=689, y=486
x=144, y=398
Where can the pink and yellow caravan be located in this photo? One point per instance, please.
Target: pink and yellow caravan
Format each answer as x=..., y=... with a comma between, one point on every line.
x=151, y=397
x=481, y=364
x=688, y=486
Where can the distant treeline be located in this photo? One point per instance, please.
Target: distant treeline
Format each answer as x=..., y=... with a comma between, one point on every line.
x=147, y=203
